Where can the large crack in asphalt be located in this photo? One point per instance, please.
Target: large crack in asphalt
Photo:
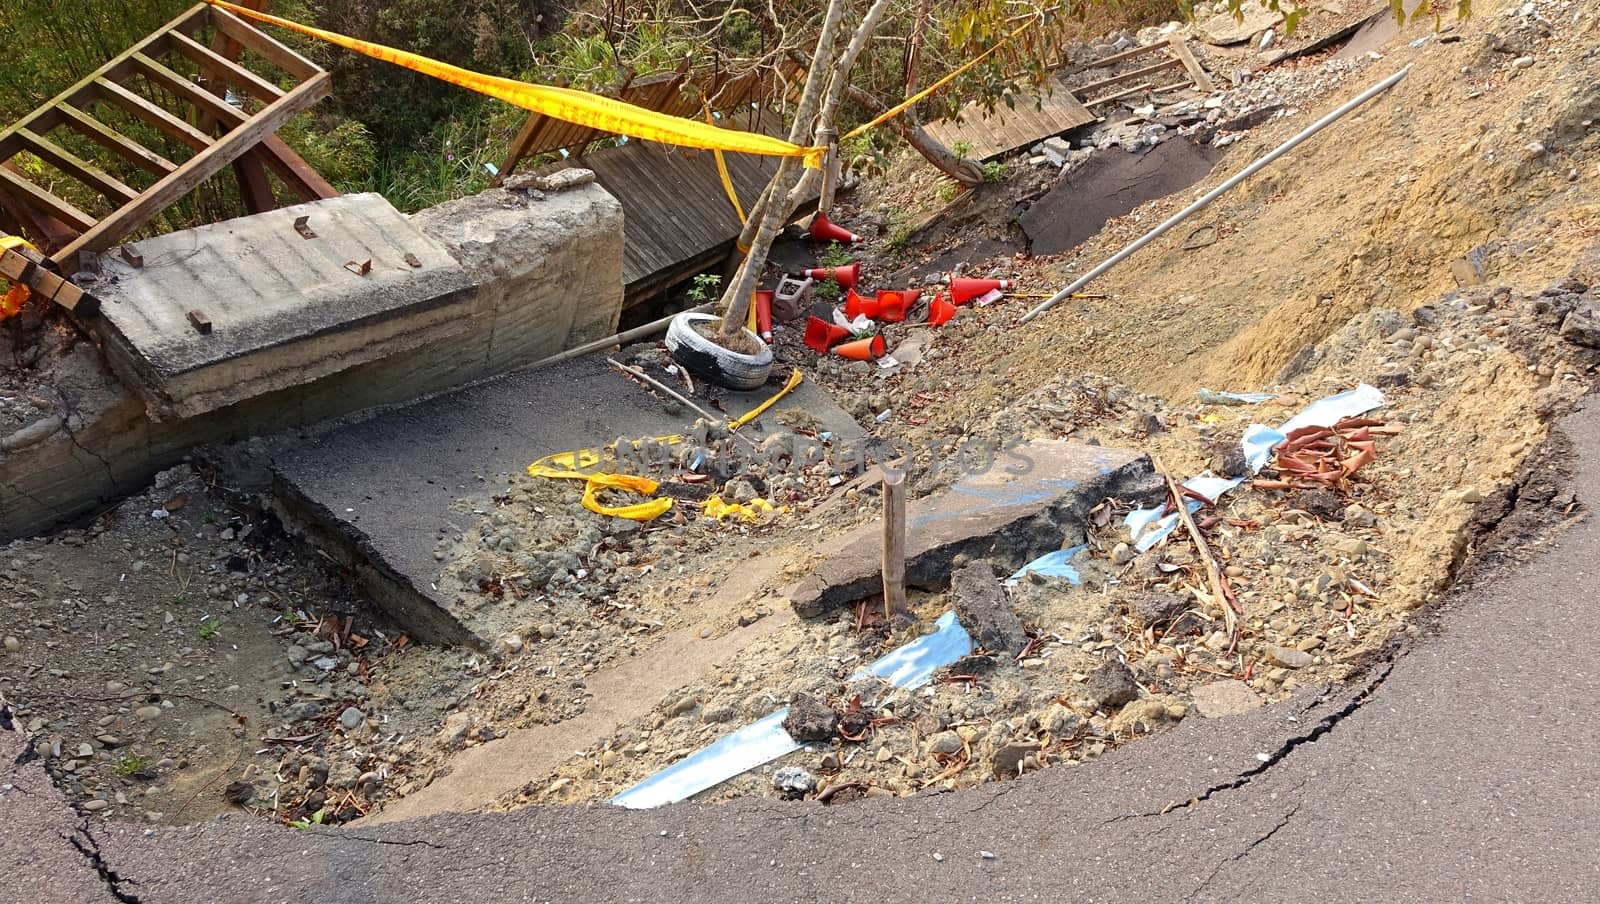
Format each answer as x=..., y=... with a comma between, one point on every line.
x=84, y=841
x=1325, y=725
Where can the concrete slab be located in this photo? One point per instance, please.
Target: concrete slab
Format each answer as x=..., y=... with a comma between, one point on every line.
x=283, y=309
x=374, y=493
x=1030, y=504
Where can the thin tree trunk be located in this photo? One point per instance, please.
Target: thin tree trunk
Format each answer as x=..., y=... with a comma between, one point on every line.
x=735, y=304
x=964, y=171
x=836, y=93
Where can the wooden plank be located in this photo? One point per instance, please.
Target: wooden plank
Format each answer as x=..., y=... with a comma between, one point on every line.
x=518, y=148
x=76, y=167
x=222, y=62
x=1014, y=127
x=130, y=150
x=210, y=105
x=154, y=43
x=1197, y=74
x=301, y=177
x=254, y=187
x=217, y=66
x=1124, y=56
x=24, y=266
x=196, y=170
x=16, y=186
x=151, y=114
x=48, y=232
x=228, y=47
x=1126, y=92
x=258, y=41
x=1134, y=76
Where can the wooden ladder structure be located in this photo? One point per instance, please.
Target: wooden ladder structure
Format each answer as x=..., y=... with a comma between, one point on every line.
x=1178, y=57
x=221, y=113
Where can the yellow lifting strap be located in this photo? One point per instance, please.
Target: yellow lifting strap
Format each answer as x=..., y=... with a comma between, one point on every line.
x=18, y=294
x=566, y=104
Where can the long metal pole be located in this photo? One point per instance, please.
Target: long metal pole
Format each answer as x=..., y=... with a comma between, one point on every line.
x=623, y=338
x=1212, y=195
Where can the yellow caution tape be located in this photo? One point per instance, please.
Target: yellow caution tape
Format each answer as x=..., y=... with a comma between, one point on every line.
x=794, y=380
x=566, y=104
x=914, y=99
x=722, y=170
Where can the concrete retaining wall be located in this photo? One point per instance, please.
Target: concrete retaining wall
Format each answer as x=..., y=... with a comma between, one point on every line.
x=546, y=273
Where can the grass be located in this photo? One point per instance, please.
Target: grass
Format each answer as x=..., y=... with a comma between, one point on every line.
x=210, y=628
x=131, y=763
x=703, y=288
x=836, y=255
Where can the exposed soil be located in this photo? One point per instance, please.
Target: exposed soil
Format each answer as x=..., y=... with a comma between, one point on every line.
x=1439, y=244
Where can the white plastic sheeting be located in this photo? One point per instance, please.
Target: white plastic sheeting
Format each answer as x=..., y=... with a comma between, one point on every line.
x=910, y=666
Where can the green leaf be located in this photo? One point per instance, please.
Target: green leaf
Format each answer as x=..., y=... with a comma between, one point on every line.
x=1399, y=9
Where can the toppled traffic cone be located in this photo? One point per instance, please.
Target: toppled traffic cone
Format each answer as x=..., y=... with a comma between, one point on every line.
x=846, y=277
x=822, y=335
x=862, y=349
x=856, y=306
x=892, y=306
x=940, y=310
x=824, y=230
x=764, y=313
x=963, y=290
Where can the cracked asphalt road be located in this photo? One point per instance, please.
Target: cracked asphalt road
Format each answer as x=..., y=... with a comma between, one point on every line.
x=1460, y=770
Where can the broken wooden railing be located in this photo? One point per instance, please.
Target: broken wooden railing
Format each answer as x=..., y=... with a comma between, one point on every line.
x=221, y=113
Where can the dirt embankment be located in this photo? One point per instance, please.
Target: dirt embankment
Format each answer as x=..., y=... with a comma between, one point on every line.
x=1423, y=245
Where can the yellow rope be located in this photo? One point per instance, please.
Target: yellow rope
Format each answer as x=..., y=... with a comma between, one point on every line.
x=568, y=105
x=912, y=101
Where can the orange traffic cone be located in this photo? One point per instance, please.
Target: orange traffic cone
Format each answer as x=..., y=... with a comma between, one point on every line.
x=845, y=276
x=824, y=230
x=892, y=306
x=764, y=313
x=862, y=349
x=963, y=290
x=822, y=335
x=856, y=306
x=940, y=310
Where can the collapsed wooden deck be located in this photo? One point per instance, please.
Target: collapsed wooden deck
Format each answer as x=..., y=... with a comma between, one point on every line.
x=677, y=218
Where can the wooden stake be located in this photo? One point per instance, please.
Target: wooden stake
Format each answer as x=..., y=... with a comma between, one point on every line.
x=894, y=543
x=1219, y=584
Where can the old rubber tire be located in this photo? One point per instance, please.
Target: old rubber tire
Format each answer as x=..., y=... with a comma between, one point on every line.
x=710, y=360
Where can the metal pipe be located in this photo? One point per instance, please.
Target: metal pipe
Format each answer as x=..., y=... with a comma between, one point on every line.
x=1212, y=195
x=638, y=332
